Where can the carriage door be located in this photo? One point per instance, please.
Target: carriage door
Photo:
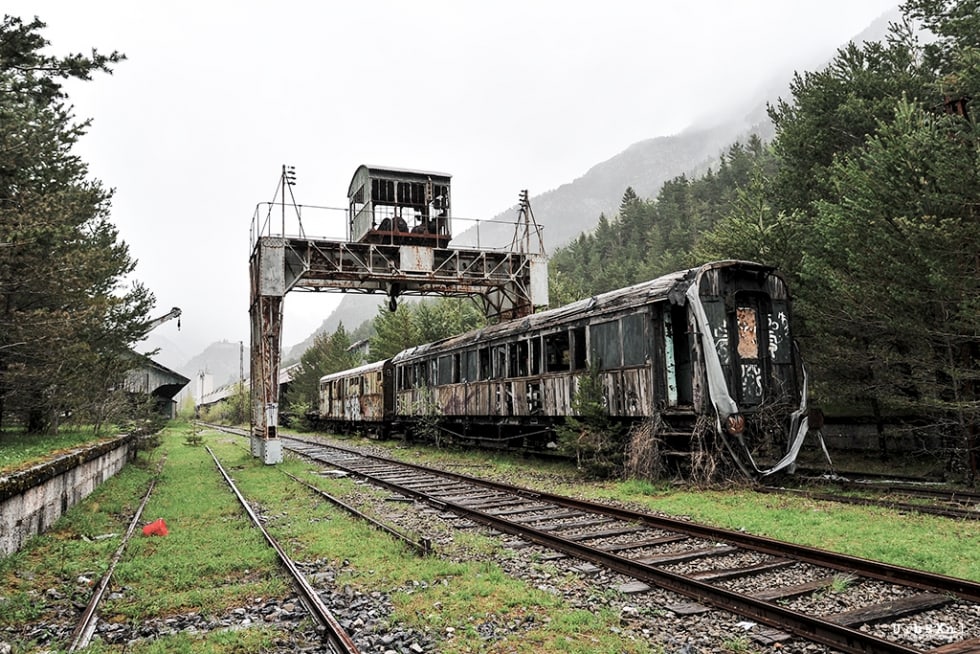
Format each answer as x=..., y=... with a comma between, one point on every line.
x=750, y=347
x=677, y=356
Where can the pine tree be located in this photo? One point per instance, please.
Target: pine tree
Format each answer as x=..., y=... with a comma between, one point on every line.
x=65, y=325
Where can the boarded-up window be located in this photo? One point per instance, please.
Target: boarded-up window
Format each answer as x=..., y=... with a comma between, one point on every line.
x=718, y=325
x=635, y=342
x=606, y=344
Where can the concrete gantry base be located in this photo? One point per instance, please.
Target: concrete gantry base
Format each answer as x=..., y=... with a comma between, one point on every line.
x=271, y=451
x=256, y=443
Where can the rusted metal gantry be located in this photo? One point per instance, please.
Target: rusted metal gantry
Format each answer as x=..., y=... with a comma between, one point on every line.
x=400, y=224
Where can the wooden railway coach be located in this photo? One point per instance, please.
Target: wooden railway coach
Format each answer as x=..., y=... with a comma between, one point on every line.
x=360, y=398
x=712, y=341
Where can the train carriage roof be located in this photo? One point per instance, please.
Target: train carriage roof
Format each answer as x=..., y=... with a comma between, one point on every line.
x=670, y=287
x=354, y=372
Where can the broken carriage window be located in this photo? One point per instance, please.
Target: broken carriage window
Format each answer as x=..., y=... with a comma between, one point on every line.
x=557, y=357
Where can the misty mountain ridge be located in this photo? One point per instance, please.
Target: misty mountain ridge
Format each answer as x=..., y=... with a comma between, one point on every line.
x=575, y=207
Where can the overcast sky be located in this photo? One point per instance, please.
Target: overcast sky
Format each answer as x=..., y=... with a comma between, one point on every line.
x=193, y=129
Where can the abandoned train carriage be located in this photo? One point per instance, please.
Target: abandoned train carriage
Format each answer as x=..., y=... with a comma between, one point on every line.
x=709, y=345
x=711, y=341
x=358, y=399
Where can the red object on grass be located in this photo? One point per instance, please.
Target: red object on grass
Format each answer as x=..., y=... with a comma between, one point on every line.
x=156, y=528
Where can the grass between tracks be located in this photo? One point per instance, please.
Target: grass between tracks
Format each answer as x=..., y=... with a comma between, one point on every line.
x=213, y=560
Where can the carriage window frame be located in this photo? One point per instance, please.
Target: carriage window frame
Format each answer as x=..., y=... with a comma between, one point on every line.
x=484, y=363
x=535, y=354
x=579, y=358
x=444, y=366
x=557, y=352
x=636, y=342
x=471, y=366
x=606, y=344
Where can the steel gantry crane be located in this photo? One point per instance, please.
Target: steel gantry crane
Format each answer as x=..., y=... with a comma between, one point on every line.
x=398, y=234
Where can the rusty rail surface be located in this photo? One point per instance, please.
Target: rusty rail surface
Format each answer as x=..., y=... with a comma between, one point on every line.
x=336, y=637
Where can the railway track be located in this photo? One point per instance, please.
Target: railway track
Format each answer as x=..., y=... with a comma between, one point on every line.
x=336, y=639
x=85, y=629
x=777, y=584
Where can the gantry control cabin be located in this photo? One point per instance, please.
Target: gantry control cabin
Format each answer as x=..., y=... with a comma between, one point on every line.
x=399, y=207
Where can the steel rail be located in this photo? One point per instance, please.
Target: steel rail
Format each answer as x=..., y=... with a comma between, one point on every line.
x=82, y=635
x=422, y=546
x=962, y=588
x=337, y=638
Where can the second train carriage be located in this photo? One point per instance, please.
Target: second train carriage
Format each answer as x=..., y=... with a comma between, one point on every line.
x=361, y=398
x=710, y=342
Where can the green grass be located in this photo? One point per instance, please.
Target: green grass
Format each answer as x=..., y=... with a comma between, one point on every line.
x=19, y=450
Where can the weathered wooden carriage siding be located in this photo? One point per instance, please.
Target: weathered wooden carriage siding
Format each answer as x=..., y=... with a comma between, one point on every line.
x=32, y=500
x=631, y=391
x=354, y=395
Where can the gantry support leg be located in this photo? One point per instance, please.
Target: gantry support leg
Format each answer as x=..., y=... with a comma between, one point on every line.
x=265, y=313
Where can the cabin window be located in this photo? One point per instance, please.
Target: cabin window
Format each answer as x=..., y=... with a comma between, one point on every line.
x=556, y=351
x=606, y=345
x=357, y=201
x=456, y=371
x=635, y=341
x=383, y=190
x=579, y=361
x=445, y=375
